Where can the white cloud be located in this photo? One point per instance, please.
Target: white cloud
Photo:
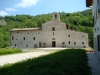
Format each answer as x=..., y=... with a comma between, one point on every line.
x=26, y=3
x=11, y=9
x=3, y=13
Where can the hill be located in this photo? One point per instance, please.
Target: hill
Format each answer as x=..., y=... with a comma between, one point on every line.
x=79, y=21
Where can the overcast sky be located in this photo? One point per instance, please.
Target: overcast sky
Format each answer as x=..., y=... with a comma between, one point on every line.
x=35, y=7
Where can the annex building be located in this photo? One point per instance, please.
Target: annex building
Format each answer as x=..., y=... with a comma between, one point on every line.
x=52, y=34
x=96, y=21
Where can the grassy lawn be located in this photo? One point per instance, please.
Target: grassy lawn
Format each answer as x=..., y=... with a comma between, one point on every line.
x=65, y=62
x=4, y=51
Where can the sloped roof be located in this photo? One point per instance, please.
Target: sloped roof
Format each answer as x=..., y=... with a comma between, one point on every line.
x=77, y=31
x=88, y=3
x=25, y=29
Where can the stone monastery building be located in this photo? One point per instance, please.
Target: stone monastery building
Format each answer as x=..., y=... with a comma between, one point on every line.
x=52, y=34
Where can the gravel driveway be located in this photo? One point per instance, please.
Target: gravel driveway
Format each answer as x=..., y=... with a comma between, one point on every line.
x=19, y=57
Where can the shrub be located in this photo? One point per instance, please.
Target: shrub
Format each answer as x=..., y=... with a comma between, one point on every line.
x=4, y=51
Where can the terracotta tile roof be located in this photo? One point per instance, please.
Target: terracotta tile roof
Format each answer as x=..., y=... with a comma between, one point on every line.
x=25, y=29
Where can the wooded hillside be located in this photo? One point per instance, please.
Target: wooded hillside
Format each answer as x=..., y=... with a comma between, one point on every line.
x=79, y=21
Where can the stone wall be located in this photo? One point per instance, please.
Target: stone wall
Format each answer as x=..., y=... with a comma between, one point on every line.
x=76, y=39
x=31, y=38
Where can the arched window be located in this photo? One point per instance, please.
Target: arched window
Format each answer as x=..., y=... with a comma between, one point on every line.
x=55, y=16
x=53, y=39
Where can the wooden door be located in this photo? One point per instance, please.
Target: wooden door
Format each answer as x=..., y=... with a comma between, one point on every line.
x=35, y=45
x=53, y=43
x=40, y=44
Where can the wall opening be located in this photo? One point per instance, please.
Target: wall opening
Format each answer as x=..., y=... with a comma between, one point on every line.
x=53, y=28
x=68, y=35
x=15, y=45
x=53, y=43
x=33, y=38
x=53, y=39
x=82, y=42
x=40, y=44
x=35, y=45
x=55, y=16
x=98, y=38
x=23, y=38
x=26, y=45
x=82, y=35
x=12, y=37
x=68, y=42
x=66, y=26
x=74, y=43
x=53, y=33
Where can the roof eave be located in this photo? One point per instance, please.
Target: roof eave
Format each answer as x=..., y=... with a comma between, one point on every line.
x=89, y=3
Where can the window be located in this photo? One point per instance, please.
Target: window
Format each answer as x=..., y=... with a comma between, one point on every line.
x=44, y=43
x=53, y=33
x=53, y=28
x=96, y=13
x=68, y=42
x=12, y=37
x=66, y=26
x=82, y=42
x=23, y=38
x=98, y=5
x=15, y=44
x=33, y=38
x=53, y=38
x=26, y=45
x=55, y=16
x=74, y=43
x=82, y=35
x=98, y=40
x=68, y=35
x=93, y=20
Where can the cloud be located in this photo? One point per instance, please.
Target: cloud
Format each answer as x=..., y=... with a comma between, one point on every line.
x=11, y=9
x=3, y=13
x=26, y=3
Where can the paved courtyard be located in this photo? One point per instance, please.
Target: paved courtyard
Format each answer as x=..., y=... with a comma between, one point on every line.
x=94, y=63
x=19, y=57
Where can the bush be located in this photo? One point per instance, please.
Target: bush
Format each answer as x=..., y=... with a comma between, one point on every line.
x=4, y=51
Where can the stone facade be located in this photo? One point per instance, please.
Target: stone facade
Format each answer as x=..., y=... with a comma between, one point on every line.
x=51, y=34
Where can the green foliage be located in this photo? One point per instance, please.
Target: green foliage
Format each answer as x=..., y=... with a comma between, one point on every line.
x=65, y=62
x=79, y=21
x=4, y=51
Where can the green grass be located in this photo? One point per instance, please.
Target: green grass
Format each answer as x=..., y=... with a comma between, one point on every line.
x=65, y=62
x=4, y=51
